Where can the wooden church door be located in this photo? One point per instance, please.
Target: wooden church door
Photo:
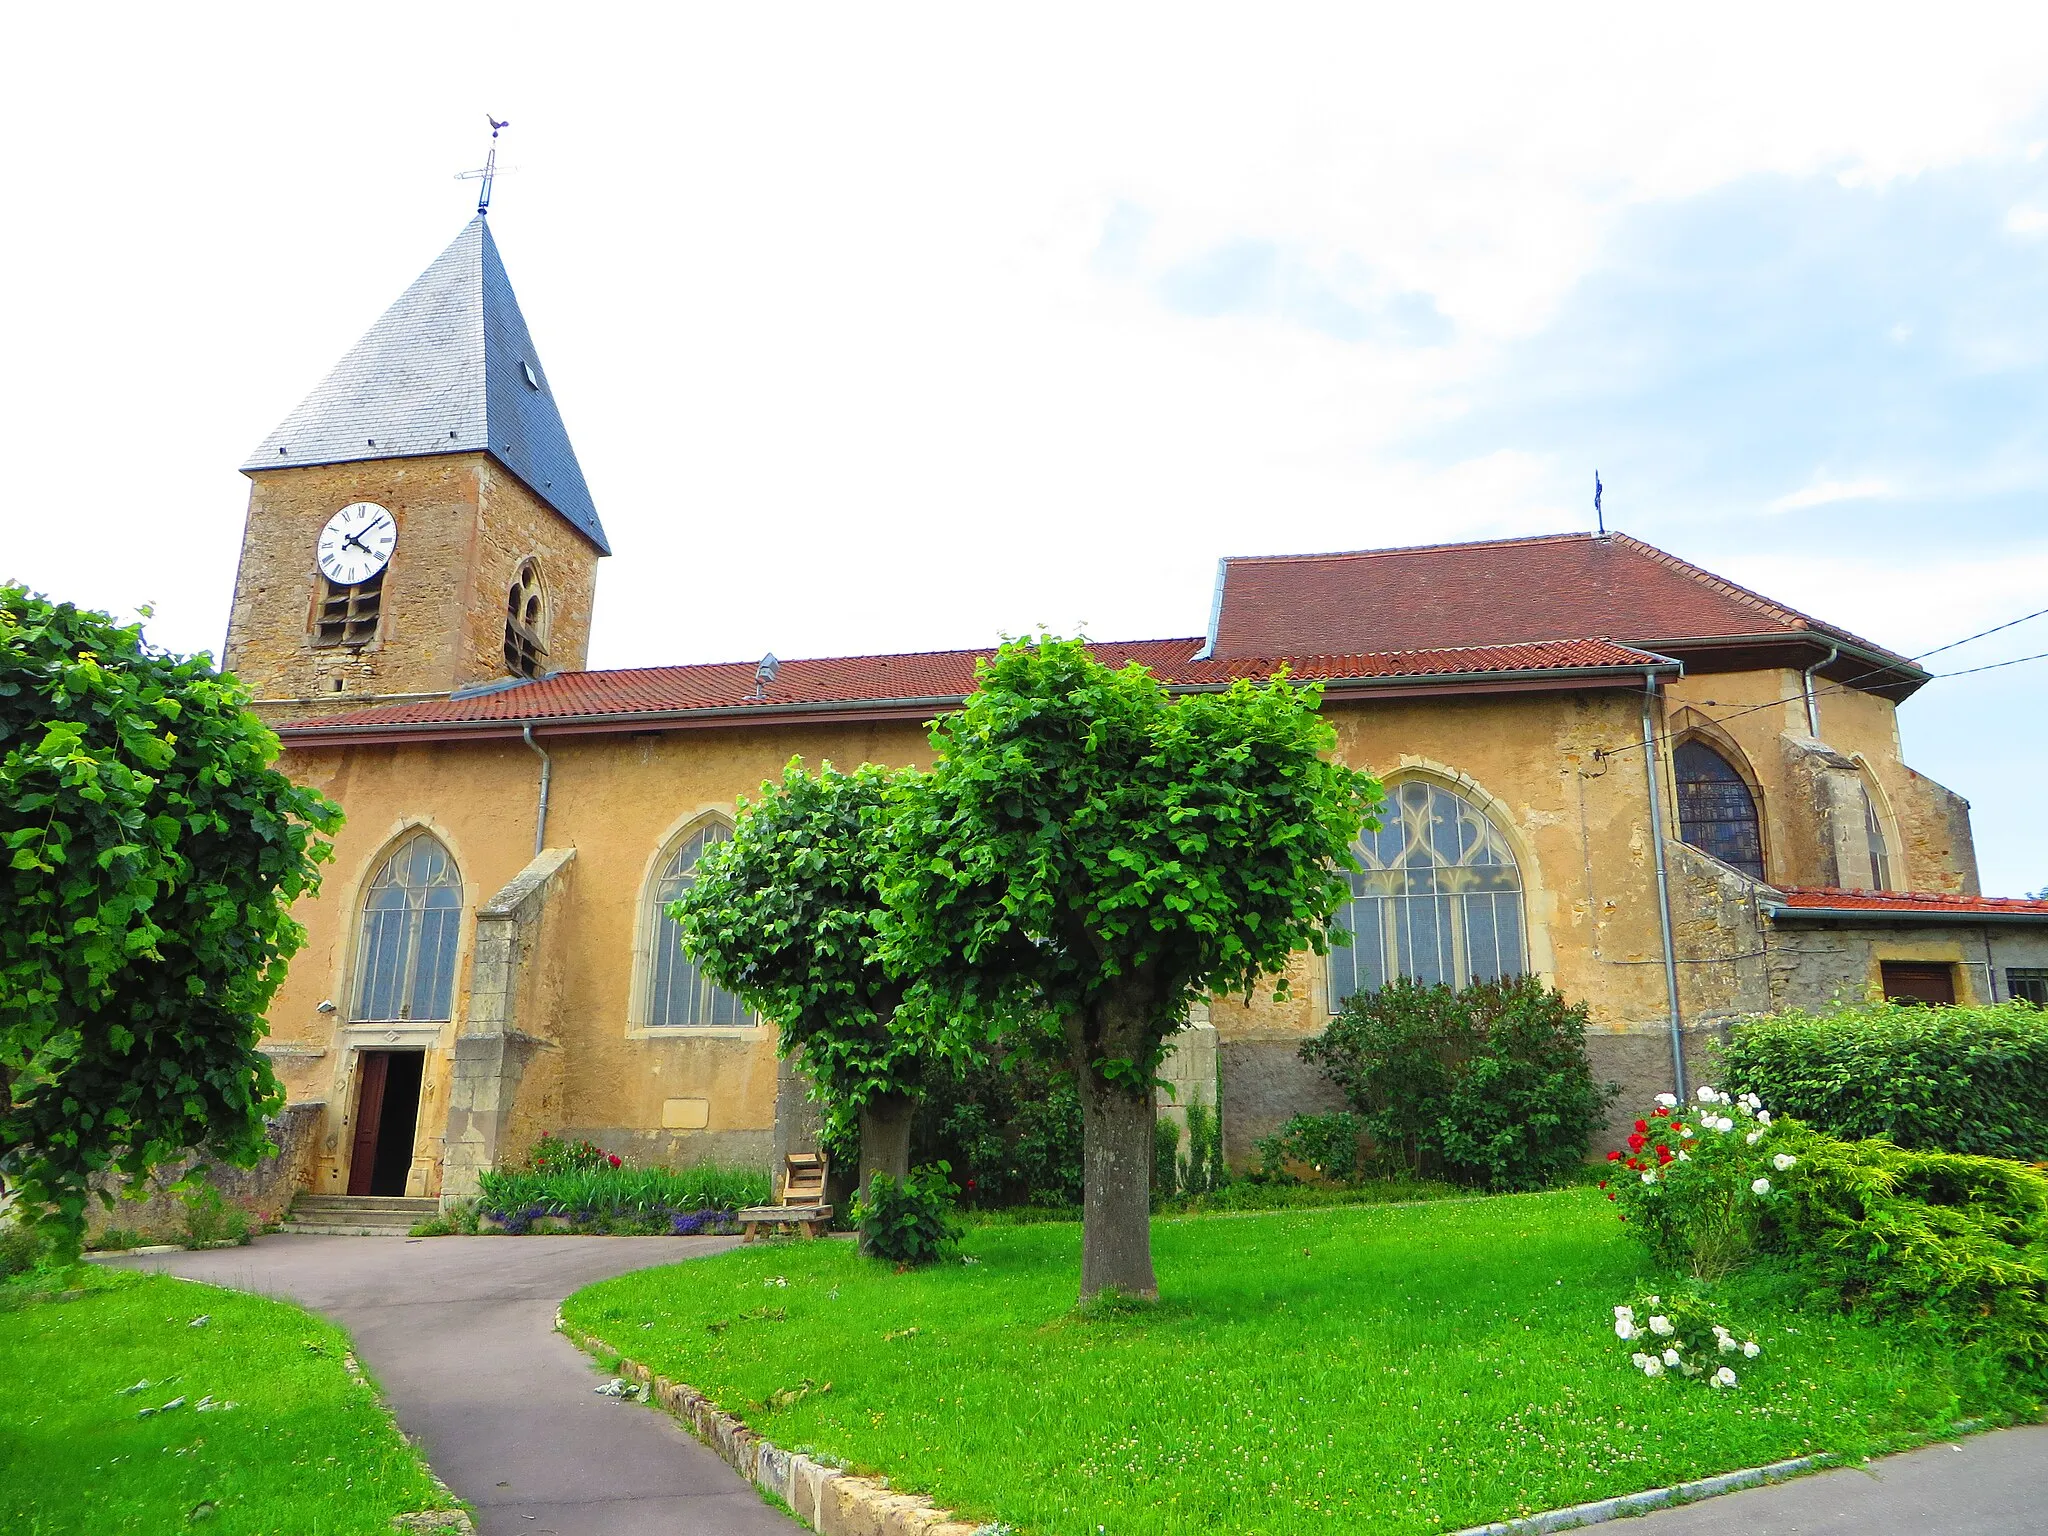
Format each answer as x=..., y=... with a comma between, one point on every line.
x=362, y=1162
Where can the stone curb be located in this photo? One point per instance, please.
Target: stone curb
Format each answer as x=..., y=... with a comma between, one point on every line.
x=1602, y=1510
x=831, y=1502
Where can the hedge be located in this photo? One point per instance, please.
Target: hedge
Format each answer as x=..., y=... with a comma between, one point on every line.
x=1970, y=1080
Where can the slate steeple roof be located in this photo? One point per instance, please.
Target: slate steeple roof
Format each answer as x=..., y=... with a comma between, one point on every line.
x=449, y=368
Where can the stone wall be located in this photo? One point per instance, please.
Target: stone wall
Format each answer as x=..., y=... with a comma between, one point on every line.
x=264, y=1193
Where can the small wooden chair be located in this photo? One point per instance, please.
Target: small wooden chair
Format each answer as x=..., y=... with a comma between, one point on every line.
x=802, y=1205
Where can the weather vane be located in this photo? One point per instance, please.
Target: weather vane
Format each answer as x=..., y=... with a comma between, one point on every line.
x=490, y=167
x=1599, y=515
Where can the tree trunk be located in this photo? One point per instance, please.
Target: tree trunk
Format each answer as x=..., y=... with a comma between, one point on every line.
x=885, y=1136
x=1116, y=1203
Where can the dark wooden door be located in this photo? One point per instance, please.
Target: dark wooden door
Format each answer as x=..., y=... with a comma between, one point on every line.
x=362, y=1162
x=1905, y=982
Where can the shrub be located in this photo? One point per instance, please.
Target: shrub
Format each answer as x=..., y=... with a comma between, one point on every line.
x=21, y=1250
x=618, y=1199
x=210, y=1222
x=1165, y=1158
x=908, y=1220
x=1202, y=1171
x=1938, y=1239
x=1488, y=1087
x=118, y=1240
x=1009, y=1124
x=1969, y=1080
x=1332, y=1145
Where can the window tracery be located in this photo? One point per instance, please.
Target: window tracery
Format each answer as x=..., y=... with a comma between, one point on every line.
x=411, y=920
x=526, y=623
x=679, y=995
x=1717, y=813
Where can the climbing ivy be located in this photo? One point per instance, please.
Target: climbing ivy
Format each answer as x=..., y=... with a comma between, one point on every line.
x=149, y=857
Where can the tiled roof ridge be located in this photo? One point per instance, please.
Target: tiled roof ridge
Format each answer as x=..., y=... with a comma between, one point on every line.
x=1309, y=658
x=1923, y=898
x=1791, y=617
x=1412, y=549
x=797, y=661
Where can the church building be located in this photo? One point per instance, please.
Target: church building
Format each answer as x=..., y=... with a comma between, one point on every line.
x=1672, y=798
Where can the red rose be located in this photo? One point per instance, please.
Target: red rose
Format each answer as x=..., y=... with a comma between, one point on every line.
x=1610, y=1194
x=1663, y=1153
x=1603, y=1183
x=1642, y=1125
x=1635, y=1141
x=1614, y=1157
x=613, y=1159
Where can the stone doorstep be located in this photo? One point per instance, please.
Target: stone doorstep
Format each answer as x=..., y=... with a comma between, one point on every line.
x=831, y=1502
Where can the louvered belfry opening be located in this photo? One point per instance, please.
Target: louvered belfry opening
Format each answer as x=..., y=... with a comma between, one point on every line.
x=348, y=615
x=526, y=624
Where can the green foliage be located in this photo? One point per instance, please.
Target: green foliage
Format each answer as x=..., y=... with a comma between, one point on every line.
x=1165, y=1158
x=1677, y=1336
x=1084, y=833
x=1934, y=1079
x=785, y=915
x=909, y=1220
x=118, y=1240
x=1202, y=1171
x=608, y=1197
x=1488, y=1087
x=1333, y=1146
x=210, y=1222
x=1008, y=1123
x=149, y=857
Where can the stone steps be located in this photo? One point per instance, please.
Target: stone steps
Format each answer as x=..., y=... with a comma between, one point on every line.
x=358, y=1215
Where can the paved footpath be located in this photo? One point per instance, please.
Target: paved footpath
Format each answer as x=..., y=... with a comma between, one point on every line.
x=460, y=1333
x=1994, y=1484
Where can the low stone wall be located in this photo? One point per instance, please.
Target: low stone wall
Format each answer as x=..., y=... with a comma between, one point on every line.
x=264, y=1192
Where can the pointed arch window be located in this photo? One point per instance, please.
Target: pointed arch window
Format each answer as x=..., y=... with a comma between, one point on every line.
x=526, y=623
x=411, y=920
x=1880, y=847
x=1716, y=811
x=679, y=996
x=1439, y=897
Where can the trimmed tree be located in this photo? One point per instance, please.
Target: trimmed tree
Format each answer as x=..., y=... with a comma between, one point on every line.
x=150, y=855
x=786, y=915
x=1097, y=854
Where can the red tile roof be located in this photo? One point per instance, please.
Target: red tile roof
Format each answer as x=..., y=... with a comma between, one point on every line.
x=1824, y=898
x=919, y=684
x=1503, y=591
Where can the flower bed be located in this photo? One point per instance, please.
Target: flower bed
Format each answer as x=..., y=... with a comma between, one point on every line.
x=577, y=1187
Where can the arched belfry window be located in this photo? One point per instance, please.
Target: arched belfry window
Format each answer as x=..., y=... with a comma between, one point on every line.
x=412, y=917
x=1438, y=897
x=526, y=624
x=1716, y=811
x=678, y=994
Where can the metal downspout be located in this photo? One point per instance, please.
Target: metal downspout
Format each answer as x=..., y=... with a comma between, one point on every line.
x=1812, y=702
x=547, y=767
x=1663, y=886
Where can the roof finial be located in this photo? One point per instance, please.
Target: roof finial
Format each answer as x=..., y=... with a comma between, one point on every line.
x=490, y=167
x=1599, y=516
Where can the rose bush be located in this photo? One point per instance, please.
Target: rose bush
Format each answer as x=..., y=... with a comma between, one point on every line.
x=1679, y=1338
x=1697, y=1179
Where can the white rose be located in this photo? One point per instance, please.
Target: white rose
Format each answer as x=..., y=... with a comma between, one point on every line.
x=1783, y=1161
x=1760, y=1187
x=1725, y=1376
x=1706, y=1094
x=1728, y=1345
x=1754, y=1137
x=1661, y=1326
x=1752, y=1349
x=1653, y=1368
x=1726, y=1125
x=1763, y=1117
x=1714, y=1381
x=1668, y=1100
x=1685, y=1130
x=1683, y=1157
x=1627, y=1312
x=1640, y=1359
x=1671, y=1357
x=1649, y=1178
x=1656, y=1301
x=1624, y=1330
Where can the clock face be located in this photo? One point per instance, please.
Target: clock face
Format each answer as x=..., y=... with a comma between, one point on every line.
x=356, y=543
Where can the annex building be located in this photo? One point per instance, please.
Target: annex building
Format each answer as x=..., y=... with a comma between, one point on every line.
x=1670, y=797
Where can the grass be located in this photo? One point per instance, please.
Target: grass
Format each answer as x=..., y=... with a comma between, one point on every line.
x=1390, y=1368
x=307, y=1450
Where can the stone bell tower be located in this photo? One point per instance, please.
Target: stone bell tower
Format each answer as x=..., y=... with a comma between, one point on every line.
x=420, y=523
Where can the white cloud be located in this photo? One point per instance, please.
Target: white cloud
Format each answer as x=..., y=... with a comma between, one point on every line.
x=1822, y=492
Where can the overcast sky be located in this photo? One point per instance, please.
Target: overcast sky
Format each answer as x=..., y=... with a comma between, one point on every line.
x=895, y=327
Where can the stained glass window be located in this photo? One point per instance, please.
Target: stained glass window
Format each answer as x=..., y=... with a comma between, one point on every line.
x=1716, y=811
x=412, y=918
x=1439, y=897
x=678, y=995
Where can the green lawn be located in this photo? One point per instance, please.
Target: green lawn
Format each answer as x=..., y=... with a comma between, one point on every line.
x=1386, y=1369
x=307, y=1450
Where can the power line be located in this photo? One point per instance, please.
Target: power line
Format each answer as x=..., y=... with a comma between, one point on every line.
x=1993, y=666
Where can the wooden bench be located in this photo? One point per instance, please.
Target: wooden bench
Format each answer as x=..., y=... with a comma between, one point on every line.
x=802, y=1205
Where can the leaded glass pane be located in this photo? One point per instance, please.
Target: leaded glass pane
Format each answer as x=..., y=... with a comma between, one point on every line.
x=412, y=921
x=1439, y=897
x=1716, y=812
x=678, y=995
x=1880, y=852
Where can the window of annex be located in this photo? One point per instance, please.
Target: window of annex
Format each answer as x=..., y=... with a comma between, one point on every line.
x=1884, y=870
x=678, y=996
x=1438, y=897
x=411, y=923
x=1717, y=811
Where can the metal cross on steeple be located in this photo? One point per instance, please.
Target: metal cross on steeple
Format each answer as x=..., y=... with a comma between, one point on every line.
x=490, y=167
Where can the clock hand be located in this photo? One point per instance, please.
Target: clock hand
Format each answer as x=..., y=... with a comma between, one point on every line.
x=349, y=538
